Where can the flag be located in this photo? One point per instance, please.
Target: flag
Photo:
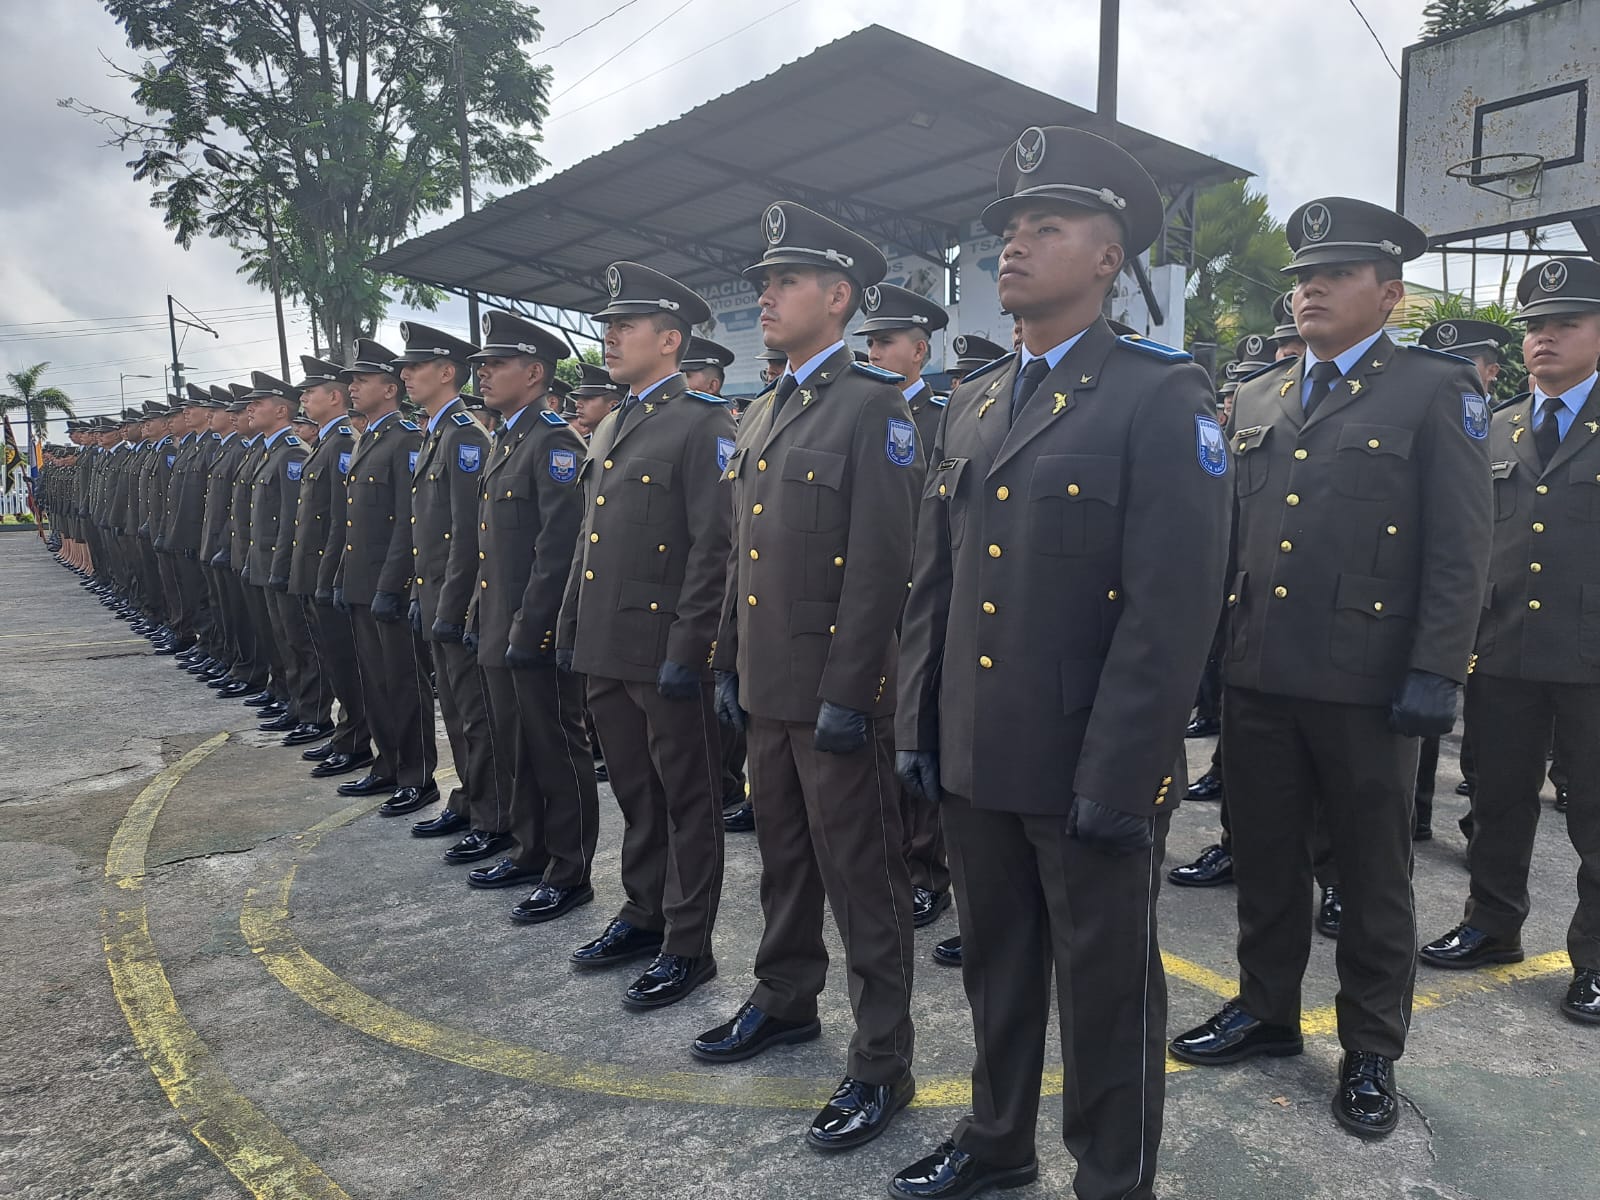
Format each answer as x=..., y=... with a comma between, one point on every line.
x=10, y=456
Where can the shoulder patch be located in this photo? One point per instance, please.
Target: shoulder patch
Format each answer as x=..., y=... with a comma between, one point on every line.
x=344, y=463
x=295, y=467
x=878, y=373
x=1475, y=415
x=1154, y=349
x=563, y=464
x=469, y=456
x=289, y=439
x=1211, y=446
x=344, y=429
x=1455, y=359
x=1281, y=364
x=551, y=418
x=725, y=448
x=461, y=418
x=412, y=456
x=988, y=366
x=706, y=396
x=900, y=445
x=412, y=426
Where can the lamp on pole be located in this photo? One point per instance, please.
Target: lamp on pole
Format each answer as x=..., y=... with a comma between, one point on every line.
x=123, y=391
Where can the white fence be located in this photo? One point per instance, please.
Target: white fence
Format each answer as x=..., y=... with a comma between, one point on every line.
x=14, y=500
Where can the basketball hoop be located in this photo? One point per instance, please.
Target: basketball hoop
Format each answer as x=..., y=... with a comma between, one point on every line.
x=1514, y=176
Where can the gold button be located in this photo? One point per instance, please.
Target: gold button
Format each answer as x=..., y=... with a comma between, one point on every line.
x=1542, y=489
x=994, y=551
x=661, y=549
x=1166, y=781
x=1112, y=594
x=942, y=490
x=1533, y=604
x=1299, y=454
x=1073, y=489
x=754, y=554
x=832, y=628
x=349, y=547
x=1392, y=530
x=419, y=578
x=414, y=552
x=1280, y=591
x=1535, y=567
x=988, y=607
x=1377, y=606
x=810, y=475
x=588, y=574
x=729, y=475
x=1291, y=499
x=655, y=607
x=761, y=464
x=1286, y=545
x=985, y=662
x=413, y=491
x=594, y=537
x=644, y=479
x=607, y=464
x=1160, y=800
x=1372, y=443
x=756, y=511
x=350, y=500
x=1233, y=597
x=837, y=561
x=483, y=583
x=483, y=524
x=1002, y=493
x=508, y=495
x=1538, y=526
x=480, y=553
x=752, y=600
x=371, y=479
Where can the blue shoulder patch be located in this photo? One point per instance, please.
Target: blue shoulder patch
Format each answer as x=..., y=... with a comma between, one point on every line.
x=706, y=396
x=563, y=464
x=344, y=429
x=469, y=457
x=1444, y=354
x=900, y=445
x=878, y=373
x=413, y=458
x=1475, y=415
x=461, y=418
x=939, y=401
x=344, y=463
x=1211, y=446
x=290, y=440
x=1154, y=349
x=551, y=418
x=988, y=366
x=294, y=468
x=725, y=449
x=405, y=424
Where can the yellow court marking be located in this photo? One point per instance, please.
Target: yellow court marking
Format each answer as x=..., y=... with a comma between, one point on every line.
x=244, y=1140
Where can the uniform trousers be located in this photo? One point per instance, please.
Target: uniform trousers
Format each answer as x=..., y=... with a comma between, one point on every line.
x=553, y=810
x=192, y=593
x=924, y=842
x=1505, y=807
x=733, y=756
x=218, y=640
x=396, y=697
x=252, y=665
x=334, y=636
x=464, y=705
x=269, y=648
x=155, y=595
x=310, y=699
x=179, y=620
x=1289, y=763
x=1035, y=902
x=828, y=826
x=665, y=761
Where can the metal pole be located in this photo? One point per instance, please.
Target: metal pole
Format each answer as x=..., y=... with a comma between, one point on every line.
x=277, y=294
x=1110, y=18
x=462, y=132
x=172, y=329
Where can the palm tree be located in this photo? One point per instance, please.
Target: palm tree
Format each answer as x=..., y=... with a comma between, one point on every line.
x=35, y=401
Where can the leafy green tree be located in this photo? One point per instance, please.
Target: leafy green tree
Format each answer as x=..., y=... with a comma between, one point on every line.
x=1513, y=374
x=1448, y=16
x=567, y=368
x=334, y=123
x=1238, y=250
x=37, y=402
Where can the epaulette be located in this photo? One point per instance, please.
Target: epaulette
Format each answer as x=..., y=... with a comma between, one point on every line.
x=461, y=418
x=412, y=426
x=344, y=429
x=289, y=439
x=1155, y=349
x=706, y=396
x=552, y=418
x=939, y=401
x=1517, y=399
x=1283, y=363
x=1444, y=354
x=988, y=366
x=878, y=373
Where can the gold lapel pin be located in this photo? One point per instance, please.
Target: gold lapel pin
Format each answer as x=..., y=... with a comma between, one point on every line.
x=648, y=409
x=1376, y=364
x=1355, y=387
x=1594, y=426
x=1085, y=378
x=1516, y=418
x=1287, y=384
x=1516, y=434
x=984, y=407
x=1061, y=402
x=805, y=396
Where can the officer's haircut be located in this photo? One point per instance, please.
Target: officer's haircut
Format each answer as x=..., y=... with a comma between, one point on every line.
x=828, y=276
x=462, y=372
x=1388, y=270
x=661, y=322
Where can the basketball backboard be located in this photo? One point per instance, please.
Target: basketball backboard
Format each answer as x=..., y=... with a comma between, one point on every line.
x=1500, y=124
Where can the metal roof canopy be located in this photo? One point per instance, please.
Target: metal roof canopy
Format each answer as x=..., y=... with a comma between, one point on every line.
x=887, y=135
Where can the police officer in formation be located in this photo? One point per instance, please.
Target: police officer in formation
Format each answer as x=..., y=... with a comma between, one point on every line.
x=701, y=586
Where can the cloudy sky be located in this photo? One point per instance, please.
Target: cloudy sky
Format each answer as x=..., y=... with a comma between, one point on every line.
x=1297, y=91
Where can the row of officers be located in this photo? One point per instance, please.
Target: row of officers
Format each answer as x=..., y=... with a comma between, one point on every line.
x=1069, y=522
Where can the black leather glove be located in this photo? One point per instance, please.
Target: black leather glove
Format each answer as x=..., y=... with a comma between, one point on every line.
x=443, y=631
x=339, y=602
x=1425, y=705
x=564, y=657
x=518, y=659
x=727, y=701
x=1109, y=830
x=324, y=597
x=919, y=773
x=385, y=607
x=279, y=583
x=414, y=615
x=840, y=730
x=221, y=559
x=674, y=681
x=191, y=555
x=469, y=640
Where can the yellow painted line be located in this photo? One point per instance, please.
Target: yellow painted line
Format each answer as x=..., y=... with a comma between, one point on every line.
x=1203, y=978
x=82, y=645
x=253, y=1149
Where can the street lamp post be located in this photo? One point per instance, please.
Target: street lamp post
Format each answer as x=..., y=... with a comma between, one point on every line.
x=123, y=391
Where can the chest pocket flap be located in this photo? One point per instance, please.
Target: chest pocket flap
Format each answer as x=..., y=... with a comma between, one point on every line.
x=1247, y=441
x=1377, y=439
x=1078, y=478
x=1502, y=470
x=944, y=481
x=651, y=471
x=821, y=468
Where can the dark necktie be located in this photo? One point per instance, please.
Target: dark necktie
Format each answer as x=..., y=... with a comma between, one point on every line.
x=1547, y=438
x=1027, y=384
x=782, y=392
x=1323, y=376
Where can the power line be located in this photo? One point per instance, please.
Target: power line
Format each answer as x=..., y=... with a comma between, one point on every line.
x=585, y=29
x=59, y=334
x=607, y=62
x=136, y=317
x=1375, y=38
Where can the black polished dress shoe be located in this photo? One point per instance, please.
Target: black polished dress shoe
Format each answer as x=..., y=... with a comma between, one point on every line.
x=172, y=647
x=669, y=979
x=476, y=847
x=857, y=1112
x=1233, y=1035
x=1463, y=788
x=409, y=800
x=261, y=700
x=749, y=1033
x=1213, y=868
x=926, y=905
x=281, y=722
x=1561, y=799
x=1207, y=787
x=503, y=874
x=190, y=656
x=740, y=820
x=601, y=775
x=1330, y=913
x=1366, y=1103
x=274, y=710
x=948, y=952
x=229, y=691
x=219, y=681
x=368, y=785
x=621, y=942
x=1422, y=832
x=338, y=763
x=1203, y=727
x=1582, y=1001
x=950, y=1173
x=317, y=753
x=305, y=733
x=1467, y=946
x=547, y=902
x=447, y=822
